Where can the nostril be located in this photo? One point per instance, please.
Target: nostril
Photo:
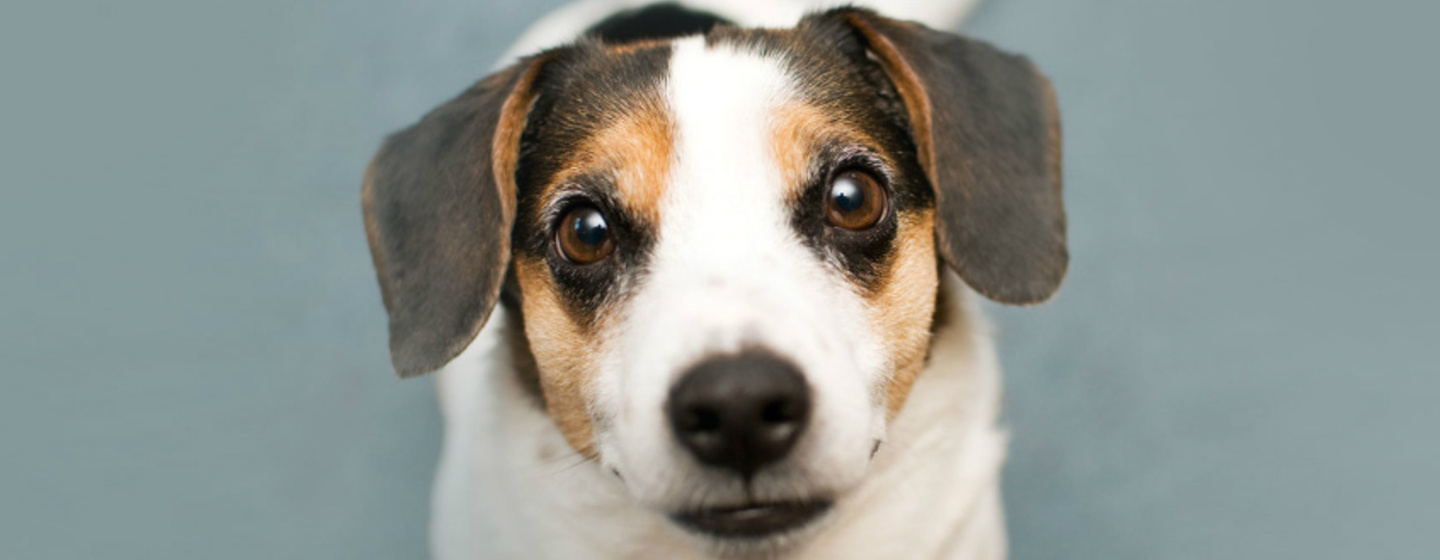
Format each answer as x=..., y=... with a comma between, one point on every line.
x=780, y=411
x=700, y=420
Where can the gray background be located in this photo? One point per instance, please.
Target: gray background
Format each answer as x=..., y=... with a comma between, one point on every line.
x=1240, y=365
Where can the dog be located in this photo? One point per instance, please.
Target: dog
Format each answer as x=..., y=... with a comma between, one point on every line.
x=699, y=289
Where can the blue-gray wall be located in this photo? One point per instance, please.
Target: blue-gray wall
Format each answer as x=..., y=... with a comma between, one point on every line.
x=192, y=345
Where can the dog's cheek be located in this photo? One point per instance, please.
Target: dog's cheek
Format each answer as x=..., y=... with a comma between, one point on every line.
x=563, y=354
x=903, y=304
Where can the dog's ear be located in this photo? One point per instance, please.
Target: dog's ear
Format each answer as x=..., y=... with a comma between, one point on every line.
x=987, y=132
x=439, y=203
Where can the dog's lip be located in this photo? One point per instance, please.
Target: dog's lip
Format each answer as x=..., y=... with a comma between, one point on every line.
x=752, y=520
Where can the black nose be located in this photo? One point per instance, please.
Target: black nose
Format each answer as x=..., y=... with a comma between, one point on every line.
x=740, y=412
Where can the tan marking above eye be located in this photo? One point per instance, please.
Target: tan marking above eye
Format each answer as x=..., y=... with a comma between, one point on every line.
x=634, y=149
x=854, y=200
x=798, y=131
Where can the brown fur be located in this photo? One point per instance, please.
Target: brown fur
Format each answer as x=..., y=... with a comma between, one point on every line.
x=563, y=354
x=903, y=306
x=619, y=129
x=902, y=303
x=796, y=132
x=506, y=147
x=637, y=152
x=634, y=149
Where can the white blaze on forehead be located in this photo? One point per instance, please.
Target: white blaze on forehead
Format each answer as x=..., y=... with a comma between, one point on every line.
x=728, y=271
x=723, y=102
x=725, y=226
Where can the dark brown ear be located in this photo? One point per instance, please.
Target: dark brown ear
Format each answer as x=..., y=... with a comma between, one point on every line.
x=988, y=135
x=439, y=203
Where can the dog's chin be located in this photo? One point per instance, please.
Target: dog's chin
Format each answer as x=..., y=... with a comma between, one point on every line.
x=754, y=529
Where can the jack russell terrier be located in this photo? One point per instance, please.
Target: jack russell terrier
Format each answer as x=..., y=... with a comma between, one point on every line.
x=709, y=290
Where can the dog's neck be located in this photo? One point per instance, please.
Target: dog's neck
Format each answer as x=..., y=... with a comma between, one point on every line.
x=509, y=486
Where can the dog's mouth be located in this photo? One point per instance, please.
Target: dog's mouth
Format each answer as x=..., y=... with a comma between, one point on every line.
x=752, y=521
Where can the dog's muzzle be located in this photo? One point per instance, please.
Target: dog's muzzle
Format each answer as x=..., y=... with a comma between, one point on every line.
x=740, y=413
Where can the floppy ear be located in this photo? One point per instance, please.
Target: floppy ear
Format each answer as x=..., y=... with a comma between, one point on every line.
x=439, y=203
x=987, y=132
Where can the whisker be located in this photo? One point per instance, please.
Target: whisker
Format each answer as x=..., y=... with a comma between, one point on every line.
x=574, y=459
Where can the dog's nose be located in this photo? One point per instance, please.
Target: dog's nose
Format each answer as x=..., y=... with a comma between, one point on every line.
x=740, y=412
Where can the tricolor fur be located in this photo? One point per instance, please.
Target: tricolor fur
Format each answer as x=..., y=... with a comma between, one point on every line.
x=711, y=157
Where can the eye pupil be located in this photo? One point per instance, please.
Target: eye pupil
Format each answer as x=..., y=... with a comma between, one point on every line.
x=855, y=201
x=847, y=195
x=590, y=227
x=584, y=236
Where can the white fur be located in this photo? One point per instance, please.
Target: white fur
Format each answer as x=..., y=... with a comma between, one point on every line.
x=727, y=272
x=509, y=486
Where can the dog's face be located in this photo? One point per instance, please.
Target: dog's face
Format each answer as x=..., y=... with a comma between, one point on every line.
x=724, y=250
x=726, y=268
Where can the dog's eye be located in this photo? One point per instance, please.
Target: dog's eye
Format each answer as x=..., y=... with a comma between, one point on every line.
x=584, y=236
x=855, y=201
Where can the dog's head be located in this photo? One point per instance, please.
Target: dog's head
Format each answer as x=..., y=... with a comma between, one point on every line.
x=725, y=250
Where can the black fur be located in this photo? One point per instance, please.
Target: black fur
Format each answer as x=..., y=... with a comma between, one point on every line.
x=582, y=91
x=656, y=21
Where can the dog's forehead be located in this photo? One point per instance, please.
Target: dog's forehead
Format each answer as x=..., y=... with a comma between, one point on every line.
x=724, y=102
x=623, y=117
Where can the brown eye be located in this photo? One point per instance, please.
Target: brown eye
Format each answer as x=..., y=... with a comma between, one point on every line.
x=855, y=201
x=585, y=236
